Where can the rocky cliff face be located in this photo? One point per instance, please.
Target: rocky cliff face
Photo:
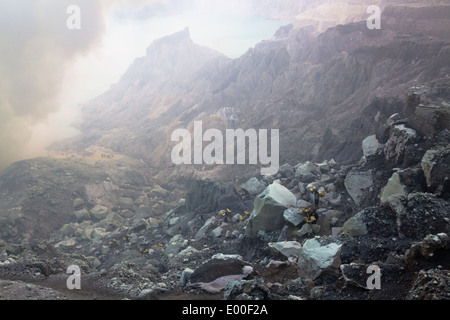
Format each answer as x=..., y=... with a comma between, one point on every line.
x=324, y=92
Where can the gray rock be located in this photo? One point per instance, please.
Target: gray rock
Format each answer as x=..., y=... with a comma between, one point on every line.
x=420, y=214
x=82, y=215
x=293, y=216
x=286, y=248
x=99, y=212
x=185, y=276
x=302, y=204
x=175, y=246
x=218, y=266
x=173, y=221
x=358, y=183
x=333, y=198
x=356, y=225
x=307, y=172
x=159, y=191
x=286, y=170
x=114, y=219
x=302, y=188
x=126, y=203
x=204, y=229
x=126, y=213
x=305, y=230
x=67, y=230
x=324, y=166
x=371, y=146
x=330, y=214
x=253, y=186
x=336, y=231
x=394, y=149
x=217, y=232
x=316, y=258
x=436, y=167
x=254, y=289
x=426, y=248
x=143, y=212
x=141, y=200
x=269, y=206
x=99, y=234
x=203, y=194
x=68, y=244
x=139, y=225
x=393, y=188
x=188, y=251
x=78, y=202
x=220, y=283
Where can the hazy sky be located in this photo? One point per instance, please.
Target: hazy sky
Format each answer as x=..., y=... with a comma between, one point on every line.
x=47, y=70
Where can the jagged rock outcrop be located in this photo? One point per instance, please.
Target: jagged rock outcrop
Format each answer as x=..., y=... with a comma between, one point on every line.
x=358, y=185
x=435, y=165
x=268, y=210
x=316, y=257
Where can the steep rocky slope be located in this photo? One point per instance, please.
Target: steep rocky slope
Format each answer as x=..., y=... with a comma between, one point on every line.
x=390, y=211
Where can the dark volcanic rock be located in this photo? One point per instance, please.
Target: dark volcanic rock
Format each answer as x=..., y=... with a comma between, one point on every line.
x=431, y=285
x=216, y=267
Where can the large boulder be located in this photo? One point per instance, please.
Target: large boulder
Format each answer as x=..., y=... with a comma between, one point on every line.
x=420, y=214
x=378, y=220
x=307, y=172
x=99, y=212
x=318, y=257
x=253, y=186
x=429, y=119
x=371, y=146
x=436, y=167
x=202, y=233
x=204, y=195
x=286, y=170
x=356, y=225
x=268, y=208
x=358, y=184
x=218, y=266
x=293, y=216
x=401, y=137
x=82, y=215
x=208, y=196
x=393, y=188
x=285, y=248
x=427, y=249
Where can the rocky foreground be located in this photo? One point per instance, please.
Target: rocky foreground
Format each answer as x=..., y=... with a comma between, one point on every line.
x=382, y=230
